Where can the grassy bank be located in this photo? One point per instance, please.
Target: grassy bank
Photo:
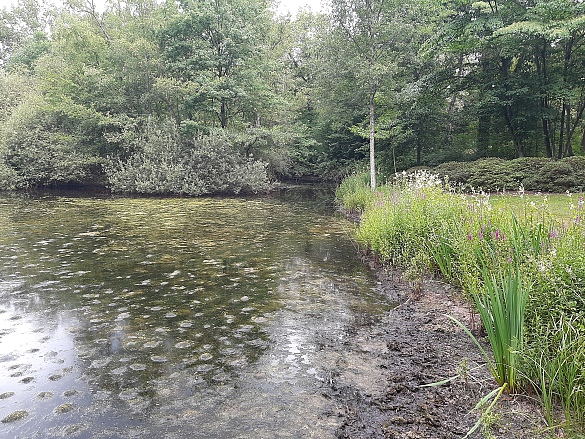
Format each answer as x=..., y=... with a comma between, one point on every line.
x=519, y=258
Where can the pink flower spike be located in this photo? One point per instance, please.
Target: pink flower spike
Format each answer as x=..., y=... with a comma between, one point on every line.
x=470, y=236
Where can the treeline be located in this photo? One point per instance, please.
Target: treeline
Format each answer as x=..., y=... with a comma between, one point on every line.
x=208, y=96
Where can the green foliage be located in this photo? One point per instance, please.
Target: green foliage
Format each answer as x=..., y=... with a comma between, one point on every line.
x=502, y=304
x=167, y=164
x=557, y=359
x=532, y=173
x=33, y=153
x=405, y=216
x=354, y=193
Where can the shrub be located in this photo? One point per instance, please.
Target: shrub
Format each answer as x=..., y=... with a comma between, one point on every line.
x=166, y=164
x=534, y=173
x=34, y=154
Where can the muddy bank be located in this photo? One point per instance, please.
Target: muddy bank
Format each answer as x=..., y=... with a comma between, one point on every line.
x=378, y=385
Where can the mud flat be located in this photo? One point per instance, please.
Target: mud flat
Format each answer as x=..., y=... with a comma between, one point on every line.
x=387, y=360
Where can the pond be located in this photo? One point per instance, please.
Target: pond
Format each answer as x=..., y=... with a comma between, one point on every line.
x=174, y=317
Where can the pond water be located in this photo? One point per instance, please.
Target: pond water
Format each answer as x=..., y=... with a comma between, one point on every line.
x=174, y=318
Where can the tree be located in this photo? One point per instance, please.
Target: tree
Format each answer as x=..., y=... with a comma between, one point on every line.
x=215, y=48
x=370, y=31
x=23, y=32
x=521, y=63
x=551, y=35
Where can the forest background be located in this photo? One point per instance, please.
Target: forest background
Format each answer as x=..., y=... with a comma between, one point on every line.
x=222, y=96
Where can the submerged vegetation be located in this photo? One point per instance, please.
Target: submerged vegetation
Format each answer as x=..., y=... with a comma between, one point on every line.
x=519, y=261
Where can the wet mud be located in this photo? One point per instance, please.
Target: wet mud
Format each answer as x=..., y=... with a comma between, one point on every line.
x=380, y=380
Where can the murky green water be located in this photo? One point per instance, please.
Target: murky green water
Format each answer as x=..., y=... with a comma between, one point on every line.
x=152, y=318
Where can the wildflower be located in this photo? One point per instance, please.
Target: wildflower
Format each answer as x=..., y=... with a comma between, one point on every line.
x=581, y=203
x=521, y=191
x=553, y=234
x=569, y=194
x=470, y=236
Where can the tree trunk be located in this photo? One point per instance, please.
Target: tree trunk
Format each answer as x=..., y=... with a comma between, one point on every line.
x=372, y=140
x=223, y=116
x=483, y=134
x=562, y=132
x=547, y=141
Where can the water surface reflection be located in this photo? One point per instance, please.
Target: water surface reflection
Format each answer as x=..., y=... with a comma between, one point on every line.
x=170, y=317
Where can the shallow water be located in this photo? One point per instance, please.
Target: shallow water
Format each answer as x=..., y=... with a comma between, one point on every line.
x=175, y=318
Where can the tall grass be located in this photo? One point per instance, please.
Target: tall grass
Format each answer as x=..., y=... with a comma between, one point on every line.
x=501, y=305
x=522, y=267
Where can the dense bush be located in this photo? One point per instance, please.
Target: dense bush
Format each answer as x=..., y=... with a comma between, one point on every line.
x=165, y=163
x=33, y=153
x=534, y=174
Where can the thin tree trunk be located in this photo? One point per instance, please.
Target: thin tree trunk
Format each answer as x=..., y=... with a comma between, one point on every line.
x=372, y=139
x=568, y=149
x=223, y=115
x=562, y=133
x=547, y=141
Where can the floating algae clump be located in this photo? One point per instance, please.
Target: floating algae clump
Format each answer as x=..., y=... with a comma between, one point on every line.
x=64, y=408
x=15, y=416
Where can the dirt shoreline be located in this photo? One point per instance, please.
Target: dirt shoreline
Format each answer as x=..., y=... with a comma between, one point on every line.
x=378, y=386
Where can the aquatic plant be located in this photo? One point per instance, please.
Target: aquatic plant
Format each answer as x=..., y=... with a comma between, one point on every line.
x=501, y=304
x=354, y=193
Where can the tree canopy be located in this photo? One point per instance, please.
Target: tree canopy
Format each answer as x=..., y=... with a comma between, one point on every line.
x=98, y=97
